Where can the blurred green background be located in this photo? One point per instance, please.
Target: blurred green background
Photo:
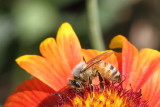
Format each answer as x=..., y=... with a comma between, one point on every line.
x=25, y=23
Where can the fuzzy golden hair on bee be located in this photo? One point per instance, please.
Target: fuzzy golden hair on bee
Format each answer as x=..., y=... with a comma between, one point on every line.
x=78, y=68
x=85, y=72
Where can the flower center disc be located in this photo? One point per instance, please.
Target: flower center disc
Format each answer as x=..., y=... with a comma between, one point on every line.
x=110, y=96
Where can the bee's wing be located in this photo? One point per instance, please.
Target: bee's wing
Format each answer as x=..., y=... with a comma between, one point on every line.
x=97, y=59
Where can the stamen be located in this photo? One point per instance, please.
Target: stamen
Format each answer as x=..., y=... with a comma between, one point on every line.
x=112, y=95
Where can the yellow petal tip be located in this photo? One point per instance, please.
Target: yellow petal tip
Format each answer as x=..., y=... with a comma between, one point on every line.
x=117, y=41
x=22, y=58
x=65, y=24
x=46, y=41
x=65, y=29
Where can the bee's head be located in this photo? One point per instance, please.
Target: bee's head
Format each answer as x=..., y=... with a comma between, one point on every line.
x=74, y=83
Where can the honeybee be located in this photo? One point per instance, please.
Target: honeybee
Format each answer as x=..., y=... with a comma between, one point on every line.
x=85, y=72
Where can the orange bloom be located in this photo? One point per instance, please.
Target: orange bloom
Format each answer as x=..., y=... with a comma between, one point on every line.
x=139, y=69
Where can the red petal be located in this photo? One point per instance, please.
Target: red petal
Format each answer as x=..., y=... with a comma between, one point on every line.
x=31, y=93
x=148, y=76
x=148, y=63
x=151, y=89
x=129, y=57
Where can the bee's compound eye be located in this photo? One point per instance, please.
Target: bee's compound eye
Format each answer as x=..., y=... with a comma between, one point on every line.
x=77, y=84
x=74, y=83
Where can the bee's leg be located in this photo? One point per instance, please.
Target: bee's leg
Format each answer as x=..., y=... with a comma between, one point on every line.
x=101, y=81
x=62, y=98
x=90, y=84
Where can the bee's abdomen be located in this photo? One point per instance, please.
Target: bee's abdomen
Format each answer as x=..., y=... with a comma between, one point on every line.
x=113, y=73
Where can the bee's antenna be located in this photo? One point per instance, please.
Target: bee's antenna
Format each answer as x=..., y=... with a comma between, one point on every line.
x=84, y=59
x=60, y=95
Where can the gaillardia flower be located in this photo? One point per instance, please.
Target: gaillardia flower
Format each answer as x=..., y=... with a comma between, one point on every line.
x=140, y=72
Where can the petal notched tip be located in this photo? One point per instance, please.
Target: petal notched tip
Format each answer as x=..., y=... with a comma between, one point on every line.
x=46, y=41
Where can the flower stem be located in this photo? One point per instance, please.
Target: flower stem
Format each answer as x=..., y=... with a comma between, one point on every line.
x=94, y=25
